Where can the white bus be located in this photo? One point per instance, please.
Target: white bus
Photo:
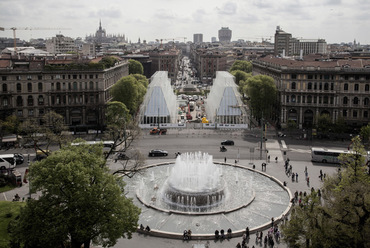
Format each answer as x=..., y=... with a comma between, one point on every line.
x=324, y=155
x=107, y=145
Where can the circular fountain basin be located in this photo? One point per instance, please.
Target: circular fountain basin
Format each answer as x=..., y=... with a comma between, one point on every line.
x=242, y=198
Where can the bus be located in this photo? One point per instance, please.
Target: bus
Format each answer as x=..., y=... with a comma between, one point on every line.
x=324, y=155
x=107, y=145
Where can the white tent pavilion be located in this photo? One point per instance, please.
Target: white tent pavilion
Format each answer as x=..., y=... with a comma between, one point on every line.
x=159, y=104
x=224, y=104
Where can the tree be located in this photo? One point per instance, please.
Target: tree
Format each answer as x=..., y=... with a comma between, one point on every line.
x=80, y=202
x=129, y=91
x=365, y=133
x=242, y=66
x=262, y=92
x=51, y=130
x=11, y=125
x=122, y=130
x=108, y=61
x=324, y=123
x=135, y=67
x=343, y=218
x=240, y=76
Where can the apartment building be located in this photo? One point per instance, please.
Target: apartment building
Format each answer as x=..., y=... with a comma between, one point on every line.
x=60, y=44
x=31, y=87
x=165, y=60
x=207, y=62
x=311, y=87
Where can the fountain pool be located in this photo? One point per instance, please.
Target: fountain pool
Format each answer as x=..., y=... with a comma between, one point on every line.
x=198, y=194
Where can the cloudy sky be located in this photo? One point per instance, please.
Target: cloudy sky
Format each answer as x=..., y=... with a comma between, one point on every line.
x=333, y=20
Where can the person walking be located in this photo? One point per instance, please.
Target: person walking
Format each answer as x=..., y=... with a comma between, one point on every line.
x=296, y=177
x=225, y=159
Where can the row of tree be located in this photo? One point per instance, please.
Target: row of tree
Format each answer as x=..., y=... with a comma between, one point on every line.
x=260, y=90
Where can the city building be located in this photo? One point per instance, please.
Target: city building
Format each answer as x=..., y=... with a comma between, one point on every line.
x=197, y=38
x=60, y=45
x=313, y=86
x=144, y=60
x=165, y=60
x=224, y=35
x=286, y=45
x=207, y=62
x=31, y=87
x=213, y=39
x=101, y=36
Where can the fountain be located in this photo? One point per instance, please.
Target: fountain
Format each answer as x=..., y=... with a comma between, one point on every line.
x=197, y=193
x=195, y=184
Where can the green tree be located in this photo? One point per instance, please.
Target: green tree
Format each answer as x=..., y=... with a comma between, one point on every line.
x=80, y=202
x=135, y=67
x=365, y=133
x=12, y=125
x=51, y=130
x=324, y=123
x=240, y=76
x=242, y=66
x=123, y=131
x=343, y=218
x=340, y=125
x=262, y=92
x=129, y=91
x=108, y=61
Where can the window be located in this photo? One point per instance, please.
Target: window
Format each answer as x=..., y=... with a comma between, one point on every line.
x=19, y=87
x=309, y=86
x=5, y=101
x=287, y=99
x=20, y=113
x=3, y=78
x=52, y=86
x=293, y=86
x=74, y=76
x=355, y=100
x=293, y=98
x=354, y=113
x=58, y=86
x=309, y=77
x=294, y=76
x=39, y=87
x=29, y=87
x=345, y=100
x=326, y=99
x=315, y=86
x=345, y=86
x=366, y=114
x=366, y=87
x=58, y=99
x=75, y=85
x=344, y=113
x=19, y=101
x=320, y=86
x=69, y=86
x=91, y=85
x=39, y=77
x=332, y=86
x=18, y=77
x=366, y=101
x=29, y=77
x=30, y=112
x=356, y=87
x=41, y=100
x=5, y=87
x=41, y=111
x=309, y=99
x=326, y=86
x=30, y=101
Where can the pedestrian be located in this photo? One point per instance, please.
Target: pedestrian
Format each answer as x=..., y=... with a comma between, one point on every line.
x=293, y=177
x=276, y=159
x=305, y=169
x=229, y=233
x=236, y=161
x=238, y=245
x=268, y=158
x=308, y=181
x=296, y=177
x=225, y=159
x=247, y=232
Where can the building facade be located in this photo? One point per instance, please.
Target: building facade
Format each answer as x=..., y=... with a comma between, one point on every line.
x=165, y=60
x=60, y=45
x=224, y=35
x=207, y=62
x=197, y=38
x=286, y=45
x=31, y=88
x=307, y=89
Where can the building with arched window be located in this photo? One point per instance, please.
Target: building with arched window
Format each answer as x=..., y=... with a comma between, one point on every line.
x=313, y=86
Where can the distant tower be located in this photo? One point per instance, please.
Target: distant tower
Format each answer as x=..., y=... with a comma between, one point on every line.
x=213, y=39
x=282, y=42
x=224, y=35
x=197, y=38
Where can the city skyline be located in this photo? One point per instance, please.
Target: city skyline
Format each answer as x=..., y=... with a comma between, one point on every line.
x=333, y=20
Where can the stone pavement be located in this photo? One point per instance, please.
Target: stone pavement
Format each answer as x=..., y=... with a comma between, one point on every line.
x=275, y=169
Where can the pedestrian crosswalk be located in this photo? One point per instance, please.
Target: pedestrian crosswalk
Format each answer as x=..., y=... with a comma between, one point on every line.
x=300, y=150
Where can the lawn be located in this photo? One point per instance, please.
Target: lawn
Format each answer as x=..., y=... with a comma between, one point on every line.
x=8, y=212
x=6, y=188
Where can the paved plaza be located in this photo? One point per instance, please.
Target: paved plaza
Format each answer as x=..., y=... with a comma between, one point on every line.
x=273, y=168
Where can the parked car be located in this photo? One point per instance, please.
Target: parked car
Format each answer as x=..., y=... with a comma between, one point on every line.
x=227, y=143
x=154, y=153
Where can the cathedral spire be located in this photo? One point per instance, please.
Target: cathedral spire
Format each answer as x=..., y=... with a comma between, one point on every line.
x=100, y=24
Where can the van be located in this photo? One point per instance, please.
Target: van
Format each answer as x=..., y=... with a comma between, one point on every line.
x=5, y=164
x=11, y=158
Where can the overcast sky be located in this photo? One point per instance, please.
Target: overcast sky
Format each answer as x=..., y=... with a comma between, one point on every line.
x=333, y=20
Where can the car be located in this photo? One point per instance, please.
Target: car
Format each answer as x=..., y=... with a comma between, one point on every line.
x=227, y=143
x=155, y=153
